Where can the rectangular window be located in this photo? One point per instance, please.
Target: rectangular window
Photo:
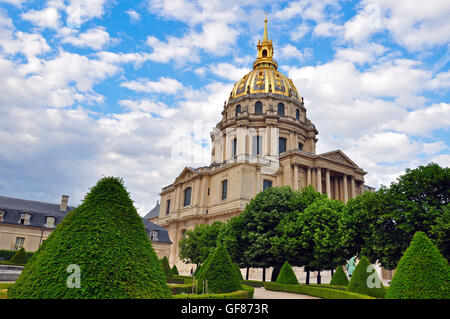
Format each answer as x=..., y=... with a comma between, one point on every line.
x=168, y=207
x=267, y=184
x=224, y=189
x=234, y=151
x=256, y=145
x=281, y=145
x=187, y=197
x=19, y=243
x=2, y=215
x=24, y=219
x=300, y=146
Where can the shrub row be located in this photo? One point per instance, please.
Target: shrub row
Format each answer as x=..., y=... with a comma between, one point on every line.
x=240, y=294
x=8, y=254
x=326, y=293
x=174, y=280
x=181, y=288
x=253, y=283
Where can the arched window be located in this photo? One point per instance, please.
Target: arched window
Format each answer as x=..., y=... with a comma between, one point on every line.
x=168, y=207
x=281, y=145
x=224, y=189
x=300, y=146
x=264, y=53
x=297, y=114
x=280, y=109
x=187, y=196
x=258, y=107
x=183, y=233
x=238, y=110
x=234, y=150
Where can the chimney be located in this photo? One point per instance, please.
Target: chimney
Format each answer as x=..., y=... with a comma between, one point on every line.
x=64, y=201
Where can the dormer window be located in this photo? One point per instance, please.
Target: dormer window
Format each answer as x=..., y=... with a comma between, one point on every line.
x=2, y=215
x=24, y=219
x=50, y=222
x=153, y=235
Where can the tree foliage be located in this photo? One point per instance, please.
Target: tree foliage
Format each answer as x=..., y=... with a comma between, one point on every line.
x=199, y=242
x=422, y=273
x=106, y=238
x=20, y=257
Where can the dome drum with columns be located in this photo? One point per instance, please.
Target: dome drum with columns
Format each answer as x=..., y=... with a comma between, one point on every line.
x=264, y=139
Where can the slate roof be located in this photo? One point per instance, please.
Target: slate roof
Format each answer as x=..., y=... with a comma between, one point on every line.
x=14, y=207
x=154, y=212
x=163, y=234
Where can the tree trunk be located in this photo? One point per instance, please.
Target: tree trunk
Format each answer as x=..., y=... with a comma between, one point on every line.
x=332, y=272
x=246, y=275
x=264, y=274
x=307, y=276
x=319, y=278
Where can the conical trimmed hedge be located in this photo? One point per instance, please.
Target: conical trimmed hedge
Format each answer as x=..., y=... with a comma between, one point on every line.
x=422, y=272
x=20, y=257
x=200, y=268
x=238, y=270
x=287, y=275
x=175, y=270
x=362, y=284
x=166, y=267
x=106, y=239
x=220, y=273
x=339, y=277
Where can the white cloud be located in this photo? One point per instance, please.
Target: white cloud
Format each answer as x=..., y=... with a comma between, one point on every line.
x=164, y=85
x=80, y=11
x=134, y=16
x=289, y=51
x=229, y=71
x=95, y=38
x=45, y=18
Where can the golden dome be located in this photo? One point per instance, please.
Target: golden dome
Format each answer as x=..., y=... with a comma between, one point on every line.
x=265, y=78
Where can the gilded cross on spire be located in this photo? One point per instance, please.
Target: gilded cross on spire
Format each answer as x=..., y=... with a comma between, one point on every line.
x=265, y=36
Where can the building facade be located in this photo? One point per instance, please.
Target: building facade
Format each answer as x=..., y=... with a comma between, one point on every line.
x=264, y=139
x=26, y=223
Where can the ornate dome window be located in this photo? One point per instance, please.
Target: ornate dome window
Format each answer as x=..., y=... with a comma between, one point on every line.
x=280, y=109
x=238, y=110
x=258, y=107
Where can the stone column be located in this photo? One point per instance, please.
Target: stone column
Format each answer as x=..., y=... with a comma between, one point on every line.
x=319, y=179
x=344, y=182
x=308, y=176
x=336, y=187
x=327, y=183
x=352, y=187
x=296, y=177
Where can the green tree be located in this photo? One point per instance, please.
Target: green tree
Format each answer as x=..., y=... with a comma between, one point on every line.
x=259, y=221
x=339, y=277
x=106, y=239
x=220, y=272
x=422, y=273
x=365, y=280
x=199, y=242
x=287, y=275
x=20, y=257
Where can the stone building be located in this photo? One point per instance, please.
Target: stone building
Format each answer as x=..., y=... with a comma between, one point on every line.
x=264, y=139
x=26, y=223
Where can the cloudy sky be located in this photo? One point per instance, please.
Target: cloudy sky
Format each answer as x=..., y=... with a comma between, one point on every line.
x=92, y=88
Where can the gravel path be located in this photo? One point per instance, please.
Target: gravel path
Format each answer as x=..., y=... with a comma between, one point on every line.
x=261, y=293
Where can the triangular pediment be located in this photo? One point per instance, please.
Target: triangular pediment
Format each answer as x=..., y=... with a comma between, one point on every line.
x=340, y=157
x=185, y=175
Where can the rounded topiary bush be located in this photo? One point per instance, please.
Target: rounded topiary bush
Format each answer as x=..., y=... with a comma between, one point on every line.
x=422, y=272
x=220, y=272
x=166, y=267
x=339, y=277
x=287, y=275
x=365, y=280
x=106, y=240
x=175, y=270
x=20, y=257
